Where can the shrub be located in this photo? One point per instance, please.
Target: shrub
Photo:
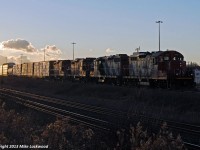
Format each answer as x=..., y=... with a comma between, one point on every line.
x=137, y=138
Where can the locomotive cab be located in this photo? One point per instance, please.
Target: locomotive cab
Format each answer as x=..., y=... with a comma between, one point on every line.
x=172, y=65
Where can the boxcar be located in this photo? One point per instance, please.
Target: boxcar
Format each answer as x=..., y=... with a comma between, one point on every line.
x=17, y=70
x=83, y=68
x=24, y=69
x=1, y=67
x=62, y=69
x=36, y=70
x=47, y=69
x=6, y=69
x=30, y=69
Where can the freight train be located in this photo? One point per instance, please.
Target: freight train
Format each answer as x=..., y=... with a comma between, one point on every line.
x=157, y=69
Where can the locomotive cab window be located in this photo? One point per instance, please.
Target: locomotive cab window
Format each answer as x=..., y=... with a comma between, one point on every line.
x=178, y=58
x=166, y=58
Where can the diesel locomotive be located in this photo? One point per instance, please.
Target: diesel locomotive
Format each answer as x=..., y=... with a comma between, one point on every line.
x=157, y=69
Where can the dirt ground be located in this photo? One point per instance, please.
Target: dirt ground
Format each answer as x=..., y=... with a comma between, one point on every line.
x=159, y=103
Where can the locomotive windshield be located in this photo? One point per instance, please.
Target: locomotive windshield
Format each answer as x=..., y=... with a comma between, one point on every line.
x=178, y=58
x=166, y=58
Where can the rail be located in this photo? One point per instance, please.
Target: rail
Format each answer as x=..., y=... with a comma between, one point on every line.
x=96, y=117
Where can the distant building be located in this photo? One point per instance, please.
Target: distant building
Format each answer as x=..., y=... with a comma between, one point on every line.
x=197, y=76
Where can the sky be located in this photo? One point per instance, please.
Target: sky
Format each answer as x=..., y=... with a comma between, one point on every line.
x=32, y=28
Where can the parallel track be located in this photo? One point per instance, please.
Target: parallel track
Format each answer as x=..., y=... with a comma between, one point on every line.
x=82, y=113
x=75, y=117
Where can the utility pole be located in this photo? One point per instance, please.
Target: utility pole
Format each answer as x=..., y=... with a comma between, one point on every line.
x=44, y=54
x=159, y=22
x=21, y=65
x=21, y=58
x=73, y=49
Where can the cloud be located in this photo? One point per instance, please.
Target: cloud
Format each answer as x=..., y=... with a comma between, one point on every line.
x=18, y=59
x=52, y=52
x=14, y=49
x=51, y=49
x=109, y=50
x=18, y=44
x=91, y=50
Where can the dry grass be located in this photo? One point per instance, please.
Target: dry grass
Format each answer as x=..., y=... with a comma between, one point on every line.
x=20, y=129
x=62, y=135
x=159, y=103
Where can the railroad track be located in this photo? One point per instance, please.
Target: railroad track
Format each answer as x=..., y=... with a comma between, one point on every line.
x=34, y=103
x=96, y=117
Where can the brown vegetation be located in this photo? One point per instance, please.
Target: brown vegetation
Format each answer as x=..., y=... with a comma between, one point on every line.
x=20, y=129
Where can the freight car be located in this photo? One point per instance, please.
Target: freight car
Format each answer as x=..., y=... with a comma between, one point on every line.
x=17, y=70
x=47, y=69
x=6, y=69
x=62, y=69
x=44, y=69
x=82, y=69
x=157, y=69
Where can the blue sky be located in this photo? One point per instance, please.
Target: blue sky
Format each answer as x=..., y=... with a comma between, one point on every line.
x=118, y=26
